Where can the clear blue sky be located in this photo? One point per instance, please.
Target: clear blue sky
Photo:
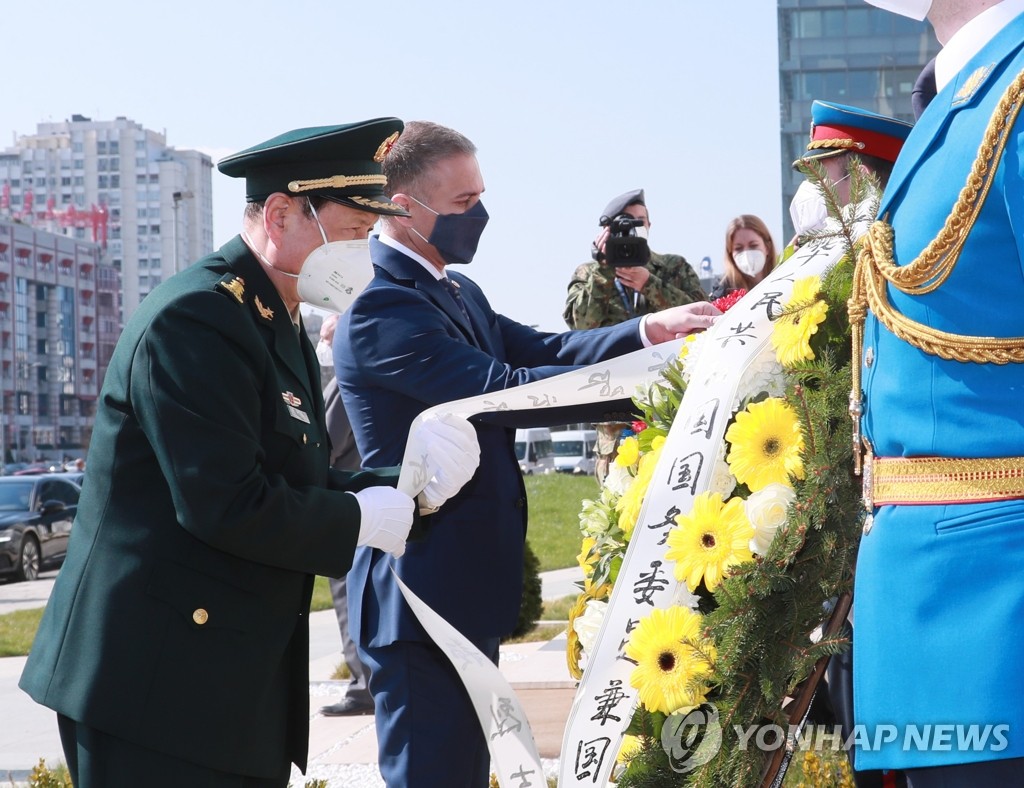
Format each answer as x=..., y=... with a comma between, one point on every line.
x=570, y=103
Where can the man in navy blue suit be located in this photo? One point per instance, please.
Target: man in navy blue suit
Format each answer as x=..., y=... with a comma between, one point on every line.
x=419, y=336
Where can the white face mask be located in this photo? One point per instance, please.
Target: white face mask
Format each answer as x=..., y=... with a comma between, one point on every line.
x=324, y=353
x=915, y=9
x=750, y=261
x=332, y=275
x=807, y=209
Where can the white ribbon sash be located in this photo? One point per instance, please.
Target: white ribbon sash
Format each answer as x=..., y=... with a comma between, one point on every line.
x=506, y=728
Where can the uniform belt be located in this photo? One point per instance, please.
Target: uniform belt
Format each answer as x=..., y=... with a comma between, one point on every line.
x=937, y=480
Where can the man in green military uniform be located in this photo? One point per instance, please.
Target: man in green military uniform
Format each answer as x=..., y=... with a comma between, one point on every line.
x=175, y=644
x=602, y=293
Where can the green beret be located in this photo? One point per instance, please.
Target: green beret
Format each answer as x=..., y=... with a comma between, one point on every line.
x=340, y=163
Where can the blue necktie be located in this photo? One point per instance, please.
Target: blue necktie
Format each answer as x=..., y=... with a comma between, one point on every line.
x=453, y=291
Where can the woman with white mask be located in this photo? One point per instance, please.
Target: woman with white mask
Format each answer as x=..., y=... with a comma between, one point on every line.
x=749, y=255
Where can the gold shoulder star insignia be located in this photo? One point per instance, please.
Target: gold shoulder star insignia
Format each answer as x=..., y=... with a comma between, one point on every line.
x=971, y=84
x=265, y=312
x=234, y=286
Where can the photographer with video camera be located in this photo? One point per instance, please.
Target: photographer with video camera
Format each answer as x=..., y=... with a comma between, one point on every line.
x=626, y=278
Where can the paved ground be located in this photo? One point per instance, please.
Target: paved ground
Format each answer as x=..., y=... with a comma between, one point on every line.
x=342, y=750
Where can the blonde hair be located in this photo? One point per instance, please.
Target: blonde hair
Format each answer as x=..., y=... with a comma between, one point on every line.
x=733, y=275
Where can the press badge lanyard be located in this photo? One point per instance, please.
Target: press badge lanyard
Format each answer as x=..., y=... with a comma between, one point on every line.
x=630, y=308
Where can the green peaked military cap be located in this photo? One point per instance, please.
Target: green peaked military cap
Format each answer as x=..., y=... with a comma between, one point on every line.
x=340, y=163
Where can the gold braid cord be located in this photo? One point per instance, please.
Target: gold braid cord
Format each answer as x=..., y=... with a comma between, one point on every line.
x=876, y=267
x=839, y=143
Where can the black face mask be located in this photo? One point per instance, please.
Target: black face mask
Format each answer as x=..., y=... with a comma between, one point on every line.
x=456, y=235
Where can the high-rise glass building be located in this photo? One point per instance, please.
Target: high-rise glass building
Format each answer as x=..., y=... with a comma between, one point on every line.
x=848, y=52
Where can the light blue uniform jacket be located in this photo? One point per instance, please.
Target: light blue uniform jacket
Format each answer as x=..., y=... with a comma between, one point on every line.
x=939, y=600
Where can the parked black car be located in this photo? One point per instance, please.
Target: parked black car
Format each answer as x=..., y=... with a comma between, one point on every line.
x=36, y=513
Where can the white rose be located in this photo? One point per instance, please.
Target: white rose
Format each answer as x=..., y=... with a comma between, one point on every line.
x=722, y=480
x=763, y=374
x=618, y=479
x=587, y=626
x=767, y=510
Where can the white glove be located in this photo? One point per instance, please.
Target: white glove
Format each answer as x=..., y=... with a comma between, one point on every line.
x=385, y=517
x=452, y=449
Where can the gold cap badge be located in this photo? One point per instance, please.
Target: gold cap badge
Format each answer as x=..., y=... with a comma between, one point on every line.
x=385, y=147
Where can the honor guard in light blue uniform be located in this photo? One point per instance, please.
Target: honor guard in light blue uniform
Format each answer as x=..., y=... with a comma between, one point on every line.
x=939, y=386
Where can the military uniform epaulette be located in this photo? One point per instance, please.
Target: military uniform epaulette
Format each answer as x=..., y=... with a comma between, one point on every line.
x=233, y=285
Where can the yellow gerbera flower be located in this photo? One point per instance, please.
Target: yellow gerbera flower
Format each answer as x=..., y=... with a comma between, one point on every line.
x=791, y=335
x=573, y=649
x=628, y=506
x=765, y=444
x=709, y=539
x=628, y=453
x=631, y=745
x=588, y=557
x=672, y=660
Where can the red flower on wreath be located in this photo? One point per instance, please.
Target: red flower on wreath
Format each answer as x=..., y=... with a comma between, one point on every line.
x=639, y=426
x=726, y=302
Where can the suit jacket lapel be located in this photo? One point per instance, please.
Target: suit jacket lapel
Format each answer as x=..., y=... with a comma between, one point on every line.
x=962, y=92
x=403, y=267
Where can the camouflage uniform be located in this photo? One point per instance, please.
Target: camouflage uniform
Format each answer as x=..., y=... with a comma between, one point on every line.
x=594, y=300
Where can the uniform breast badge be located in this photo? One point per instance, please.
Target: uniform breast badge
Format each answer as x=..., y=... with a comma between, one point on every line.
x=293, y=404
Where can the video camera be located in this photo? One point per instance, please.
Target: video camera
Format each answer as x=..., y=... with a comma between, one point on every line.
x=624, y=247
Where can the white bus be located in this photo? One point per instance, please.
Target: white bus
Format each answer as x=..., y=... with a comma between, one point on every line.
x=533, y=449
x=575, y=451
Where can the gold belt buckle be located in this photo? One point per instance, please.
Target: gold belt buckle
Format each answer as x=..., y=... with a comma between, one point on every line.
x=867, y=485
